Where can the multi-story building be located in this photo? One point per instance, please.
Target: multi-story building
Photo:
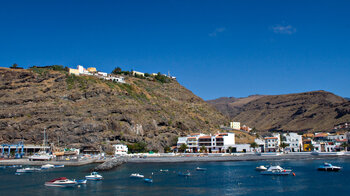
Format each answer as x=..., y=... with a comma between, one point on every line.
x=272, y=143
x=120, y=149
x=294, y=142
x=220, y=142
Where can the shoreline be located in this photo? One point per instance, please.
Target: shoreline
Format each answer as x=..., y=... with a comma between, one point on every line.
x=175, y=159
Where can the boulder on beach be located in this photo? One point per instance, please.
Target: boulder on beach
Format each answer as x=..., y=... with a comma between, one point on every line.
x=111, y=164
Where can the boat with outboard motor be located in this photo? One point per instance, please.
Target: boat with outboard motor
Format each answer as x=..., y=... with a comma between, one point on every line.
x=184, y=174
x=47, y=166
x=148, y=180
x=27, y=170
x=276, y=170
x=81, y=181
x=328, y=167
x=261, y=168
x=61, y=182
x=136, y=175
x=94, y=176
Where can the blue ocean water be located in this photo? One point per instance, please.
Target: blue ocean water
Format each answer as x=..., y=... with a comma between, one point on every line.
x=221, y=178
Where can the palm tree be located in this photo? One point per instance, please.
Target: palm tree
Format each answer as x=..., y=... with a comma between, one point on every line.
x=183, y=147
x=203, y=149
x=230, y=149
x=345, y=146
x=254, y=145
x=311, y=147
x=283, y=145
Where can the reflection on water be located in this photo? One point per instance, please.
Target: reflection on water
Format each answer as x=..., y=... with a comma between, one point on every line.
x=221, y=178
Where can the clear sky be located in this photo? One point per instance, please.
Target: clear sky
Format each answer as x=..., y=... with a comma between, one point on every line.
x=215, y=48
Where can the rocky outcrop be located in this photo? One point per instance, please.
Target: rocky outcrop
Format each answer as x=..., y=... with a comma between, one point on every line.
x=111, y=164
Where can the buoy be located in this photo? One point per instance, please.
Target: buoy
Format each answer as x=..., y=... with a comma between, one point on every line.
x=293, y=174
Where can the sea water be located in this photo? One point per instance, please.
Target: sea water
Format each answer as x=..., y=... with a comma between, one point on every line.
x=221, y=178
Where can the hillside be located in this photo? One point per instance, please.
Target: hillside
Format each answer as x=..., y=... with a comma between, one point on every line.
x=79, y=111
x=317, y=111
x=230, y=106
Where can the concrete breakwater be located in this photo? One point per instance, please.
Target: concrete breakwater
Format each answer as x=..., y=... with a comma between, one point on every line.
x=111, y=164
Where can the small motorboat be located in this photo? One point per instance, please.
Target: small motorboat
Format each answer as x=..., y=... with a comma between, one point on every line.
x=276, y=170
x=61, y=182
x=163, y=170
x=26, y=170
x=261, y=168
x=184, y=174
x=59, y=166
x=47, y=166
x=328, y=167
x=136, y=176
x=148, y=180
x=94, y=176
x=201, y=169
x=81, y=181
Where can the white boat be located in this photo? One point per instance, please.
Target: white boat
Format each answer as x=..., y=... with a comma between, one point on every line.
x=94, y=176
x=81, y=181
x=201, y=169
x=163, y=170
x=58, y=166
x=261, y=168
x=42, y=156
x=328, y=167
x=61, y=182
x=136, y=176
x=276, y=170
x=26, y=170
x=47, y=166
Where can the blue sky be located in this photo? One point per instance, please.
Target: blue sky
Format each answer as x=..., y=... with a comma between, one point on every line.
x=214, y=48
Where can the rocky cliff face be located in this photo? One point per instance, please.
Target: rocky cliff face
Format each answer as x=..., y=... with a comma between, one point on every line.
x=317, y=111
x=82, y=111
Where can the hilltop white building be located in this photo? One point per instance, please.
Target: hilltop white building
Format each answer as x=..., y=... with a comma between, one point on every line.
x=235, y=125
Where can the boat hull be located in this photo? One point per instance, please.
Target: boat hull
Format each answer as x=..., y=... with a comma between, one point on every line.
x=329, y=169
x=93, y=178
x=61, y=185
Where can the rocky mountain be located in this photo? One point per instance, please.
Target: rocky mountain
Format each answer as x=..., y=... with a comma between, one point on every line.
x=230, y=106
x=347, y=98
x=83, y=111
x=317, y=111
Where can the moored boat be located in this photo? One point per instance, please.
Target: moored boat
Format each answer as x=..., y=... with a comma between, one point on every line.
x=26, y=170
x=163, y=170
x=47, y=166
x=148, y=180
x=201, y=169
x=58, y=166
x=61, y=182
x=328, y=167
x=136, y=175
x=276, y=170
x=94, y=176
x=261, y=168
x=81, y=181
x=184, y=173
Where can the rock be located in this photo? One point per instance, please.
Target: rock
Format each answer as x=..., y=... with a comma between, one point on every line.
x=111, y=164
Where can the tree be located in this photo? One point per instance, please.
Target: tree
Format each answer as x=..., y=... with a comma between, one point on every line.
x=283, y=145
x=147, y=75
x=117, y=70
x=345, y=146
x=230, y=149
x=14, y=65
x=254, y=145
x=183, y=148
x=311, y=147
x=203, y=149
x=167, y=149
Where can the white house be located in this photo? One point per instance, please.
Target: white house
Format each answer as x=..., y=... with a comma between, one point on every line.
x=272, y=143
x=294, y=142
x=120, y=149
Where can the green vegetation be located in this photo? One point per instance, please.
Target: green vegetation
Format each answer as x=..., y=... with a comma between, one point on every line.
x=167, y=149
x=82, y=81
x=45, y=69
x=138, y=147
x=162, y=79
x=183, y=148
x=283, y=145
x=203, y=149
x=14, y=65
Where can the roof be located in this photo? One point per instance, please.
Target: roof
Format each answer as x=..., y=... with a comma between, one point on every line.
x=271, y=138
x=321, y=135
x=205, y=137
x=191, y=138
x=343, y=140
x=219, y=137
